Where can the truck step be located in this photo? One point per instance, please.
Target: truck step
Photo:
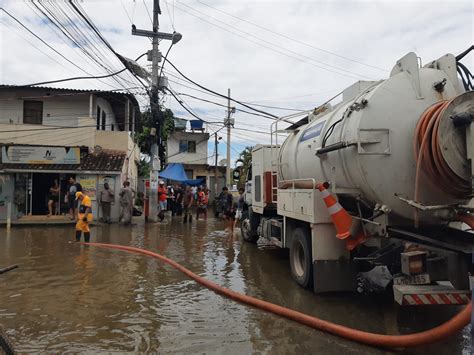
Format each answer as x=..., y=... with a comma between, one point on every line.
x=416, y=295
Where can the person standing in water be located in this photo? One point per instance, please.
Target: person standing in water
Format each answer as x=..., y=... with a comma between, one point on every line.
x=126, y=203
x=188, y=205
x=84, y=216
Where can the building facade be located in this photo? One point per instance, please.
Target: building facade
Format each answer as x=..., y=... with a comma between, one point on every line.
x=190, y=148
x=49, y=134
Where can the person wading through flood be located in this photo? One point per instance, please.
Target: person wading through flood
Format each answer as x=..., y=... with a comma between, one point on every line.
x=229, y=213
x=84, y=217
x=71, y=197
x=126, y=203
x=240, y=206
x=179, y=194
x=188, y=201
x=106, y=197
x=162, y=200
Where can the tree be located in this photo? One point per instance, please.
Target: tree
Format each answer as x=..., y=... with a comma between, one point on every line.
x=143, y=137
x=245, y=163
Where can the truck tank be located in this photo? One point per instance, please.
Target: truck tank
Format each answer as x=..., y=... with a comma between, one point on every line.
x=371, y=140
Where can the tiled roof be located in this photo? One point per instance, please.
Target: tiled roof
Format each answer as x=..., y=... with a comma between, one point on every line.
x=104, y=161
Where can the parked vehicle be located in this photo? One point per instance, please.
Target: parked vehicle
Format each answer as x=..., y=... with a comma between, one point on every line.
x=375, y=191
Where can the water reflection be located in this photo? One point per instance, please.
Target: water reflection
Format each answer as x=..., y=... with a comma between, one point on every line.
x=68, y=297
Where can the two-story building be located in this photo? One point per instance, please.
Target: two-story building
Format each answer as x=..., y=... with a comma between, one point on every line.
x=190, y=148
x=49, y=134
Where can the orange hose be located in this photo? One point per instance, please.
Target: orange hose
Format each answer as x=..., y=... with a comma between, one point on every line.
x=438, y=333
x=429, y=157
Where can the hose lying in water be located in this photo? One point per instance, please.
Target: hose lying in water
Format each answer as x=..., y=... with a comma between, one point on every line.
x=438, y=333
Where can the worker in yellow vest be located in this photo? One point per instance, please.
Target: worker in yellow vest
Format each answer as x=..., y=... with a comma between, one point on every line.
x=84, y=217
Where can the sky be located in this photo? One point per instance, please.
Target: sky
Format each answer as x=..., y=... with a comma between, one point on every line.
x=289, y=54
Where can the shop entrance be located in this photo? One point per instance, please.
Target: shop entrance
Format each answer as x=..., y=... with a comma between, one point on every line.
x=40, y=192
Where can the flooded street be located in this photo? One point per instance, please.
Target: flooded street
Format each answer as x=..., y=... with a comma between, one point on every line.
x=68, y=297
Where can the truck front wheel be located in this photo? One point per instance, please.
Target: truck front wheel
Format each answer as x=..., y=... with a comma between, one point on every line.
x=247, y=228
x=301, y=258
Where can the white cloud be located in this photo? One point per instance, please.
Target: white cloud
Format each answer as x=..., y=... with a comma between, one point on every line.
x=372, y=32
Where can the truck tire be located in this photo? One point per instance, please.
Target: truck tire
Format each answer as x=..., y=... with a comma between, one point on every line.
x=301, y=260
x=247, y=228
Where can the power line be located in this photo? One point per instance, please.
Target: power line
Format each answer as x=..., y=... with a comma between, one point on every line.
x=148, y=12
x=292, y=39
x=247, y=35
x=222, y=105
x=216, y=93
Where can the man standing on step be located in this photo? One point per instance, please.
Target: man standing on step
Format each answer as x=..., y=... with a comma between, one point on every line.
x=84, y=216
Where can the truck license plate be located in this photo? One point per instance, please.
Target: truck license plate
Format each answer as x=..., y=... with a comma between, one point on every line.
x=421, y=279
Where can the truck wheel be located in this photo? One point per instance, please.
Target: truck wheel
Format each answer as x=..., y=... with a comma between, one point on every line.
x=249, y=234
x=301, y=258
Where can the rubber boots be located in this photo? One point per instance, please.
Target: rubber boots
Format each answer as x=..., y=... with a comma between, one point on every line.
x=87, y=237
x=185, y=218
x=78, y=236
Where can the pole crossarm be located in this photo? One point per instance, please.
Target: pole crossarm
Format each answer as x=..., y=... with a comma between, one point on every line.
x=175, y=36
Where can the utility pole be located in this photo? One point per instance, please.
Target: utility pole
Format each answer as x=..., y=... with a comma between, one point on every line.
x=157, y=153
x=228, y=122
x=215, y=164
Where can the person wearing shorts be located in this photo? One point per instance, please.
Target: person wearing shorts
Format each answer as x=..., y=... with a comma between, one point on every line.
x=162, y=200
x=240, y=206
x=84, y=216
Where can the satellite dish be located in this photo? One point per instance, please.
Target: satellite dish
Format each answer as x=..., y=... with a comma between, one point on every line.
x=223, y=162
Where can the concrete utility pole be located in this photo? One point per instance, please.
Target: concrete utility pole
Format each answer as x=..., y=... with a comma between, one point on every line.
x=228, y=124
x=157, y=153
x=215, y=164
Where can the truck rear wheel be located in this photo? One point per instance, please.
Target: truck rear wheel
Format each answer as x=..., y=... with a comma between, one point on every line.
x=301, y=258
x=247, y=228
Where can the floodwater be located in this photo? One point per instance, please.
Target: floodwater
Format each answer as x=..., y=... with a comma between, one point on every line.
x=69, y=297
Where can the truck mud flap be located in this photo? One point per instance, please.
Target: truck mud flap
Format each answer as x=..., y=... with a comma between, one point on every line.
x=334, y=276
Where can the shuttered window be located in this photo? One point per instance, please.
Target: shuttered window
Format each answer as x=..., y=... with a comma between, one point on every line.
x=33, y=112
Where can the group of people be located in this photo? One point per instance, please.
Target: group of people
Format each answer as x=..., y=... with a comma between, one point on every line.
x=187, y=201
x=181, y=200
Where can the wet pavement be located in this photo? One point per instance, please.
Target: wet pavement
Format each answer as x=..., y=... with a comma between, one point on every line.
x=68, y=297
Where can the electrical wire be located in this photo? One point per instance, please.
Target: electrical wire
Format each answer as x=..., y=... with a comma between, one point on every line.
x=271, y=46
x=222, y=105
x=216, y=93
x=292, y=38
x=148, y=12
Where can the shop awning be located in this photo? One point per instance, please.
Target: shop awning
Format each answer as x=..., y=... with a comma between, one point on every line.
x=175, y=171
x=101, y=161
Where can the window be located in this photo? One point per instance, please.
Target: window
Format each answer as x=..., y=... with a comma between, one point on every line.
x=33, y=112
x=191, y=146
x=187, y=146
x=98, y=117
x=189, y=173
x=103, y=120
x=258, y=188
x=183, y=146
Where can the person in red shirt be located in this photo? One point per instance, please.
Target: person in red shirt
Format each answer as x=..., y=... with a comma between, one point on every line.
x=162, y=200
x=202, y=201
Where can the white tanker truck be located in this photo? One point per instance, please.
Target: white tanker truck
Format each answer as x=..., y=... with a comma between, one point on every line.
x=375, y=191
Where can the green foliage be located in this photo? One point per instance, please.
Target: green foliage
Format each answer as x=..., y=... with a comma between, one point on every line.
x=144, y=167
x=143, y=137
x=245, y=158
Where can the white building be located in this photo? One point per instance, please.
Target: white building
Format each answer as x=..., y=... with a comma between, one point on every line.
x=190, y=148
x=49, y=133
